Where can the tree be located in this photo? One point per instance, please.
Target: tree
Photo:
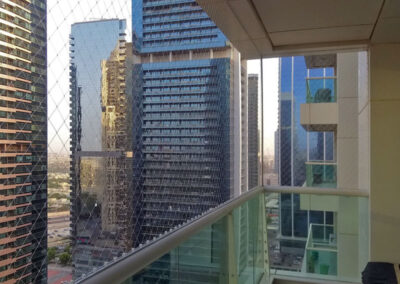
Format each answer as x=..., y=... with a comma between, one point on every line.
x=51, y=253
x=67, y=249
x=65, y=258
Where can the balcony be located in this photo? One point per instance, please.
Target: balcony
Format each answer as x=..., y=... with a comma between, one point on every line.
x=321, y=174
x=237, y=242
x=321, y=250
x=321, y=90
x=320, y=113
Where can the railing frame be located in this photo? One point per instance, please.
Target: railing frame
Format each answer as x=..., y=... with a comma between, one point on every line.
x=124, y=267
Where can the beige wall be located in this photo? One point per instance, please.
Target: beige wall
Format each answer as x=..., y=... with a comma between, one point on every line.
x=347, y=130
x=347, y=164
x=385, y=152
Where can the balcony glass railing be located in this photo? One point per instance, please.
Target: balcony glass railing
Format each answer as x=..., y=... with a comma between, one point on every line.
x=321, y=90
x=321, y=174
x=321, y=250
x=262, y=235
x=321, y=236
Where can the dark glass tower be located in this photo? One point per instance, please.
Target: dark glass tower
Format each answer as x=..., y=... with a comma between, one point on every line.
x=253, y=144
x=39, y=140
x=188, y=124
x=100, y=215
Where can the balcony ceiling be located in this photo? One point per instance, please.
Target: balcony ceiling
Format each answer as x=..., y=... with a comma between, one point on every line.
x=271, y=28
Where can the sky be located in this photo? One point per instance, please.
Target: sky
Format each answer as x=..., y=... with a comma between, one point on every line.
x=63, y=13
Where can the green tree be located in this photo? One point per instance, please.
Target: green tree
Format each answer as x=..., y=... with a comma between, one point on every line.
x=67, y=249
x=65, y=258
x=51, y=253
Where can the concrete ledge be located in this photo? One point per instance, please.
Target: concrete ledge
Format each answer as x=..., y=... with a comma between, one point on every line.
x=319, y=116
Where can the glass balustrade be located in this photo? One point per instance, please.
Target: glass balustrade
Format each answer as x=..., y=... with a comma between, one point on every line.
x=321, y=174
x=270, y=235
x=321, y=90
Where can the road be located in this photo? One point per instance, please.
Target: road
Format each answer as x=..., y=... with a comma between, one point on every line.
x=58, y=229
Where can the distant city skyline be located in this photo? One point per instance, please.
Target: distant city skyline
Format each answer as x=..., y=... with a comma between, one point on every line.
x=61, y=15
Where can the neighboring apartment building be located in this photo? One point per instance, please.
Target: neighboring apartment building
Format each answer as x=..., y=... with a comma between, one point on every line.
x=23, y=142
x=298, y=149
x=100, y=177
x=253, y=132
x=190, y=139
x=319, y=145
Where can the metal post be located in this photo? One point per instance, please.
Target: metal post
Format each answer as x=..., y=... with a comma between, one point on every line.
x=262, y=120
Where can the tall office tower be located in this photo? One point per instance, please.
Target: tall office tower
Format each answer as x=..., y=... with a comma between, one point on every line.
x=99, y=143
x=116, y=209
x=23, y=141
x=253, y=138
x=299, y=149
x=39, y=140
x=189, y=94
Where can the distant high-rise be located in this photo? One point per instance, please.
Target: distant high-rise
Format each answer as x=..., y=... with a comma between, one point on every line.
x=190, y=140
x=253, y=138
x=116, y=209
x=276, y=151
x=100, y=147
x=23, y=142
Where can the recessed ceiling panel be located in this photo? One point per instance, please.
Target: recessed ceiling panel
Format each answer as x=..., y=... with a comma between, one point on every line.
x=322, y=35
x=294, y=15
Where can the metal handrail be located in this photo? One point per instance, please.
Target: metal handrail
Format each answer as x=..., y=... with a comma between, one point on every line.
x=129, y=264
x=317, y=191
x=132, y=263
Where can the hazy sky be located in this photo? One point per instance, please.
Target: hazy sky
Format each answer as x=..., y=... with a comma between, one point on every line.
x=61, y=14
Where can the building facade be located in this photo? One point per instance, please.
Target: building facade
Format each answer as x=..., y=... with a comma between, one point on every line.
x=299, y=149
x=253, y=137
x=190, y=132
x=23, y=142
x=39, y=139
x=116, y=104
x=100, y=178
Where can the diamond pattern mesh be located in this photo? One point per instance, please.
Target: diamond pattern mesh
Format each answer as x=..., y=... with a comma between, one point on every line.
x=151, y=119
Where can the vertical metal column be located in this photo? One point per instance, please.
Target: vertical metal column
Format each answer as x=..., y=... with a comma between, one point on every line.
x=262, y=120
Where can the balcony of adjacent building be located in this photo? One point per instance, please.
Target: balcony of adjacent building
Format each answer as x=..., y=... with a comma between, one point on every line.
x=320, y=113
x=321, y=174
x=321, y=250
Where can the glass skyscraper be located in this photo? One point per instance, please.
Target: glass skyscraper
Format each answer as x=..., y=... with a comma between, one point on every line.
x=190, y=116
x=99, y=147
x=253, y=132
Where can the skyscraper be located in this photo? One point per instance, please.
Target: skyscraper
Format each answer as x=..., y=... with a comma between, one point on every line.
x=190, y=130
x=298, y=148
x=253, y=144
x=100, y=178
x=116, y=209
x=23, y=142
x=39, y=139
